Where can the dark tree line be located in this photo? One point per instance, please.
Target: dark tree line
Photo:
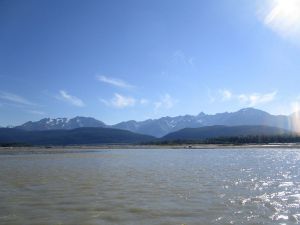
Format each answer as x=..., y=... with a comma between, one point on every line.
x=14, y=145
x=234, y=140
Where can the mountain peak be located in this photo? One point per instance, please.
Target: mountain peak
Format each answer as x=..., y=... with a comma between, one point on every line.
x=201, y=114
x=61, y=123
x=164, y=125
x=251, y=110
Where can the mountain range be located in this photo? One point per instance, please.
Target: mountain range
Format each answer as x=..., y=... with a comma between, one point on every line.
x=165, y=125
x=61, y=124
x=202, y=133
x=78, y=136
x=108, y=136
x=88, y=131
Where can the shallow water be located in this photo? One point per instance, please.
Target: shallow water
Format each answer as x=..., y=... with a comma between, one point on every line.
x=136, y=187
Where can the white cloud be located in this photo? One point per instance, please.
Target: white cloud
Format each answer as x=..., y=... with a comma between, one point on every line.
x=15, y=98
x=63, y=95
x=251, y=100
x=36, y=112
x=165, y=102
x=256, y=98
x=120, y=101
x=226, y=94
x=283, y=17
x=179, y=56
x=243, y=98
x=114, y=82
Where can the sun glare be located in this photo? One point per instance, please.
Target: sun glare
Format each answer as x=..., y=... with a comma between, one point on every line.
x=284, y=17
x=295, y=118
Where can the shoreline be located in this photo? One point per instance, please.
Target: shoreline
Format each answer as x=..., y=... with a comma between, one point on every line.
x=88, y=148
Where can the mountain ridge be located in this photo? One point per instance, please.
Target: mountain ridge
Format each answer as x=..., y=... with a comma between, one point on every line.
x=110, y=136
x=78, y=136
x=164, y=125
x=217, y=131
x=61, y=123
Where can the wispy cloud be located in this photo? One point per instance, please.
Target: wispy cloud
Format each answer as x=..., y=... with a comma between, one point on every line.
x=226, y=94
x=73, y=100
x=114, y=81
x=180, y=57
x=120, y=101
x=257, y=98
x=283, y=17
x=252, y=99
x=165, y=102
x=36, y=112
x=15, y=98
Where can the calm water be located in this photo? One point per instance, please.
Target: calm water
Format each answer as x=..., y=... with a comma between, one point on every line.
x=136, y=187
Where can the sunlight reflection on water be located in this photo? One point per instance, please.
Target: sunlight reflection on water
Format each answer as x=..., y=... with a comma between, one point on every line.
x=247, y=186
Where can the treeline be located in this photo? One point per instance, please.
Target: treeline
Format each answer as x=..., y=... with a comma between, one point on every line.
x=256, y=139
x=14, y=145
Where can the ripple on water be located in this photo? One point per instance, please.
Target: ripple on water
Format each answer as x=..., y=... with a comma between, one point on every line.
x=152, y=187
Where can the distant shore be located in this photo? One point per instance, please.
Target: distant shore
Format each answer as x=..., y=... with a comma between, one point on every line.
x=82, y=148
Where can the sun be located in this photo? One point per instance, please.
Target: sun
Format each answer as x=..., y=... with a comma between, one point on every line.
x=284, y=17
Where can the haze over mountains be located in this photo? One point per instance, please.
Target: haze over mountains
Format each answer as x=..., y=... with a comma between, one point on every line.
x=109, y=136
x=78, y=136
x=89, y=131
x=162, y=126
x=207, y=132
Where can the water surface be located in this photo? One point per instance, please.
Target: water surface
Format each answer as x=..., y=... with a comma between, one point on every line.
x=136, y=187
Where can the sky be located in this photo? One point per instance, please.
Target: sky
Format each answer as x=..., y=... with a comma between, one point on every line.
x=118, y=60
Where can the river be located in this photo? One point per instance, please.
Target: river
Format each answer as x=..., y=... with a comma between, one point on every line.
x=151, y=186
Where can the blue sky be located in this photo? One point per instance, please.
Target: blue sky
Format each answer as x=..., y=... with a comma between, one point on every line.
x=119, y=60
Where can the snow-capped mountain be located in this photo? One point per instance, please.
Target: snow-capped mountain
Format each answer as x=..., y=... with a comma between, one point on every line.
x=165, y=125
x=162, y=126
x=61, y=123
